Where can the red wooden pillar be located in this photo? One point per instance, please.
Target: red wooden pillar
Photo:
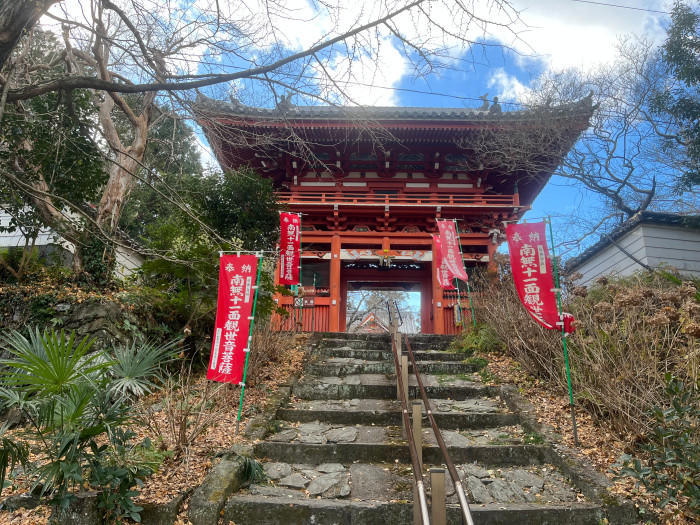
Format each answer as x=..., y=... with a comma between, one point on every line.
x=438, y=312
x=334, y=321
x=426, y=304
x=386, y=246
x=491, y=267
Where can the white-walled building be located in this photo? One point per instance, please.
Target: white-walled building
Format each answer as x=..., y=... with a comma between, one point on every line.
x=48, y=243
x=649, y=239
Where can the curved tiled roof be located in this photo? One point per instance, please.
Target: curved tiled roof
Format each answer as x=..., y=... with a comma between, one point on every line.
x=207, y=106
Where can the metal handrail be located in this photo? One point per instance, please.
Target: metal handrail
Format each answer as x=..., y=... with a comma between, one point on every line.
x=417, y=471
x=459, y=489
x=398, y=312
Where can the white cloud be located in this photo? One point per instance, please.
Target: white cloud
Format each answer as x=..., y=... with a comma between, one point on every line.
x=509, y=87
x=564, y=33
x=553, y=33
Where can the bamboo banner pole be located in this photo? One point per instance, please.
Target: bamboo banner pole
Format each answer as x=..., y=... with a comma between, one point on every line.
x=313, y=308
x=471, y=304
x=250, y=341
x=301, y=278
x=459, y=305
x=469, y=292
x=563, y=331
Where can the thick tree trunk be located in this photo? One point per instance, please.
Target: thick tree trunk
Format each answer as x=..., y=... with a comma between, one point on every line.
x=120, y=183
x=127, y=160
x=16, y=16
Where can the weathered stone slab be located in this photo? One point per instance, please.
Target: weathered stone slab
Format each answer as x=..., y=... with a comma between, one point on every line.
x=471, y=469
x=478, y=490
x=369, y=482
x=524, y=479
x=295, y=481
x=277, y=470
x=209, y=498
x=342, y=435
x=330, y=467
x=162, y=513
x=269, y=490
x=313, y=428
x=504, y=491
x=284, y=437
x=324, y=482
x=317, y=439
x=83, y=510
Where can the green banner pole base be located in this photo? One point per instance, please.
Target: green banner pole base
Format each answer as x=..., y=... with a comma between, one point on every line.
x=563, y=333
x=250, y=341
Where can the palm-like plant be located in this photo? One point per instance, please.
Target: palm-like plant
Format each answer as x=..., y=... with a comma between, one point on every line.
x=11, y=453
x=72, y=398
x=136, y=367
x=48, y=364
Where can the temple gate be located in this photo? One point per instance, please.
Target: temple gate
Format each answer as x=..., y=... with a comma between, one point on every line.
x=370, y=183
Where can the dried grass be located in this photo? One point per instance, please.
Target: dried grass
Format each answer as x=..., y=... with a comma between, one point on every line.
x=630, y=333
x=270, y=347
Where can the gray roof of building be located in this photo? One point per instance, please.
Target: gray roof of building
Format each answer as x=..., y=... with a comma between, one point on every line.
x=286, y=110
x=643, y=217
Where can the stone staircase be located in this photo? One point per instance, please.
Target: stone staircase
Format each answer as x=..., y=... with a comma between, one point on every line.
x=336, y=454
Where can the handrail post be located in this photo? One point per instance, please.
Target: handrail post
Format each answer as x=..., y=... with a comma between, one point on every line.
x=438, y=511
x=404, y=375
x=459, y=489
x=403, y=370
x=420, y=500
x=417, y=518
x=418, y=430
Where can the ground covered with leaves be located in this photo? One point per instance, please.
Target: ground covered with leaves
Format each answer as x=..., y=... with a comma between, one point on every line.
x=189, y=420
x=600, y=443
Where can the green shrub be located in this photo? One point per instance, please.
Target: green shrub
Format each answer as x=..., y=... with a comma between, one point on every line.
x=671, y=469
x=78, y=405
x=481, y=339
x=478, y=362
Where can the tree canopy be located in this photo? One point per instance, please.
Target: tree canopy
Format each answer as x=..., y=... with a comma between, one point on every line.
x=680, y=101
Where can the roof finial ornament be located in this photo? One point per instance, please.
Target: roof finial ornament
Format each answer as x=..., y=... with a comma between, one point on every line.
x=496, y=107
x=484, y=102
x=285, y=102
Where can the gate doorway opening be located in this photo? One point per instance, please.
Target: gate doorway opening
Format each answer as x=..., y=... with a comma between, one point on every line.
x=366, y=306
x=366, y=286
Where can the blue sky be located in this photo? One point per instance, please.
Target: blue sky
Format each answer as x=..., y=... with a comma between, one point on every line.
x=552, y=35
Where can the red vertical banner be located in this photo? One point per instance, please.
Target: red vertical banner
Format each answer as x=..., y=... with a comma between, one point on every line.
x=442, y=274
x=532, y=274
x=290, y=226
x=451, y=253
x=236, y=296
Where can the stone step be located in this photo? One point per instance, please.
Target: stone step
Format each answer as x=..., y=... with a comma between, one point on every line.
x=378, y=344
x=386, y=355
x=440, y=340
x=449, y=414
x=491, y=455
x=535, y=490
x=355, y=336
x=317, y=432
x=273, y=510
x=380, y=386
x=342, y=366
x=392, y=481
